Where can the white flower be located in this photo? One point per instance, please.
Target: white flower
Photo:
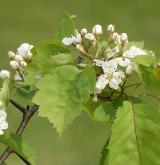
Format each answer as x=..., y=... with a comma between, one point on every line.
x=68, y=40
x=124, y=37
x=3, y=122
x=73, y=39
x=78, y=38
x=127, y=63
x=97, y=30
x=110, y=28
x=90, y=37
x=83, y=31
x=24, y=50
x=14, y=65
x=113, y=79
x=107, y=66
x=124, y=62
x=133, y=52
x=4, y=74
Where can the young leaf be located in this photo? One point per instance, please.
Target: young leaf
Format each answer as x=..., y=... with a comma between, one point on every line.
x=146, y=60
x=104, y=112
x=18, y=145
x=67, y=27
x=86, y=82
x=47, y=57
x=151, y=78
x=62, y=100
x=135, y=135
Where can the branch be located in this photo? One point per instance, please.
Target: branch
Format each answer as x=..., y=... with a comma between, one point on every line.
x=27, y=114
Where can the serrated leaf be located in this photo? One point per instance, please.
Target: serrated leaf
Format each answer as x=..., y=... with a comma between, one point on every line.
x=61, y=101
x=18, y=145
x=146, y=60
x=135, y=135
x=104, y=112
x=151, y=78
x=4, y=93
x=67, y=27
x=47, y=57
x=86, y=82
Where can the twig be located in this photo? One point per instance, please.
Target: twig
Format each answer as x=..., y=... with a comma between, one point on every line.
x=27, y=114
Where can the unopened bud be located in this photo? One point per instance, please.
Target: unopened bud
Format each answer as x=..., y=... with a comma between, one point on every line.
x=28, y=57
x=124, y=38
x=115, y=36
x=90, y=37
x=97, y=30
x=110, y=28
x=80, y=48
x=83, y=31
x=4, y=74
x=23, y=64
x=11, y=55
x=14, y=65
x=18, y=58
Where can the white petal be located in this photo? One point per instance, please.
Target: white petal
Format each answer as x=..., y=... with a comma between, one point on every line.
x=24, y=49
x=110, y=66
x=99, y=62
x=68, y=40
x=3, y=114
x=133, y=52
x=1, y=132
x=90, y=37
x=4, y=125
x=114, y=84
x=124, y=62
x=102, y=82
x=129, y=69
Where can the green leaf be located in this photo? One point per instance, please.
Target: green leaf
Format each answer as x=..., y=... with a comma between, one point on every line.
x=104, y=153
x=47, y=57
x=135, y=135
x=86, y=82
x=4, y=93
x=18, y=145
x=146, y=60
x=62, y=100
x=104, y=112
x=151, y=78
x=67, y=27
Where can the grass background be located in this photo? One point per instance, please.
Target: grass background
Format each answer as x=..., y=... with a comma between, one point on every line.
x=35, y=20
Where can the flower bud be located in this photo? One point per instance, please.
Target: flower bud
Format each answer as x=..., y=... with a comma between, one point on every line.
x=97, y=30
x=110, y=28
x=28, y=56
x=18, y=58
x=83, y=31
x=11, y=55
x=115, y=36
x=80, y=48
x=23, y=64
x=4, y=74
x=14, y=65
x=90, y=37
x=124, y=38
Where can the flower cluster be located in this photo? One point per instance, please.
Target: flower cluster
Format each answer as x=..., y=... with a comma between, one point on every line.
x=20, y=59
x=3, y=122
x=116, y=62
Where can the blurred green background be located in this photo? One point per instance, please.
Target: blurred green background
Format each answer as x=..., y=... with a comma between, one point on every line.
x=36, y=20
